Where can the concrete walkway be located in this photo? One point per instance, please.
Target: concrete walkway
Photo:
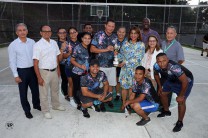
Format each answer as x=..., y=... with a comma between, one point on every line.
x=71, y=123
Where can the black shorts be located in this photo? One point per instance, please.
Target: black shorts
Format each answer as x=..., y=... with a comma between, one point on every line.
x=85, y=99
x=118, y=70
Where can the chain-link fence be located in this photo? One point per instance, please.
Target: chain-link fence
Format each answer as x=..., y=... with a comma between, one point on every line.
x=190, y=22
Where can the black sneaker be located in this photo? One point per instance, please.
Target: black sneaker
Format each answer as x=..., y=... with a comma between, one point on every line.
x=143, y=122
x=164, y=113
x=179, y=125
x=85, y=113
x=102, y=107
x=117, y=97
x=97, y=109
x=28, y=115
x=201, y=54
x=78, y=107
x=110, y=104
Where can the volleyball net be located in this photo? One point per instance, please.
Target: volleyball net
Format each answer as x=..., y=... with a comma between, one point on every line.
x=190, y=20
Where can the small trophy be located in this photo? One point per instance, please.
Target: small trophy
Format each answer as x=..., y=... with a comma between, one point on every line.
x=116, y=49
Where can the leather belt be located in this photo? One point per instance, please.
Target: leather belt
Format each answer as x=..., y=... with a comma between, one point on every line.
x=50, y=69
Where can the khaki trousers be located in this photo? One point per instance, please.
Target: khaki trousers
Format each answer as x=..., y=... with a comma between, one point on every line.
x=51, y=83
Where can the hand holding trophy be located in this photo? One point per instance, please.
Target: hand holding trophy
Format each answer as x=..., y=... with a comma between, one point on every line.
x=116, y=49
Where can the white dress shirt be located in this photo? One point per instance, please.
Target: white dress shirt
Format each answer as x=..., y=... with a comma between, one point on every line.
x=46, y=52
x=20, y=55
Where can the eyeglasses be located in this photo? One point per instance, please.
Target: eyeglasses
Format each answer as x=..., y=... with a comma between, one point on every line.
x=61, y=32
x=152, y=41
x=72, y=32
x=46, y=31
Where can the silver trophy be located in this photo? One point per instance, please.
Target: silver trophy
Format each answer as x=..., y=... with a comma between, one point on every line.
x=116, y=49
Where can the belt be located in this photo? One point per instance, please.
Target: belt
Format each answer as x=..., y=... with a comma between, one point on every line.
x=50, y=69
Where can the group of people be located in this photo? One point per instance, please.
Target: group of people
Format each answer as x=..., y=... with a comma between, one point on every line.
x=149, y=70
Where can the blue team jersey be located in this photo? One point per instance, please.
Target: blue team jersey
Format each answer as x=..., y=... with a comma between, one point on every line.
x=145, y=88
x=101, y=41
x=93, y=83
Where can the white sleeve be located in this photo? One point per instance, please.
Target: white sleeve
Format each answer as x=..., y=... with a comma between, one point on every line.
x=36, y=51
x=13, y=60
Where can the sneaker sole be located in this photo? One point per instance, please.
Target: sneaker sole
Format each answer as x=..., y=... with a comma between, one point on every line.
x=145, y=124
x=167, y=116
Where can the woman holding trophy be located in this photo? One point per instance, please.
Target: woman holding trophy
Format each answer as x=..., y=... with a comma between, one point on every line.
x=130, y=56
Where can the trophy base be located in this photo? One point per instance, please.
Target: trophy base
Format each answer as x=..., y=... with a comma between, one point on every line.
x=115, y=63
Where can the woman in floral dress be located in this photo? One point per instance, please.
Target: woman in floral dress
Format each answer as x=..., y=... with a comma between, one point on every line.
x=130, y=55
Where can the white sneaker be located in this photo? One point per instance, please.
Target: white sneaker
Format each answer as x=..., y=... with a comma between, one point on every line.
x=48, y=115
x=60, y=108
x=72, y=103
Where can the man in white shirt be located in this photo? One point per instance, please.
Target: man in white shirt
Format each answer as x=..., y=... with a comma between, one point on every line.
x=21, y=64
x=45, y=55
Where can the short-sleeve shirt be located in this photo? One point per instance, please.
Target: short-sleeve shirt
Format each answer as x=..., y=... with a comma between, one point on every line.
x=46, y=52
x=173, y=72
x=101, y=41
x=93, y=84
x=174, y=52
x=145, y=88
x=151, y=32
x=81, y=55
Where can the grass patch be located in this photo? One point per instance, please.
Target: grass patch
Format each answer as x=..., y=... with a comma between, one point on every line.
x=4, y=45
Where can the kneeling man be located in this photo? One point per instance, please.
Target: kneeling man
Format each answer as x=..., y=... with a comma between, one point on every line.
x=143, y=96
x=94, y=87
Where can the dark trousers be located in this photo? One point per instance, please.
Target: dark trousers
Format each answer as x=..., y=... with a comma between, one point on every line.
x=77, y=88
x=64, y=83
x=28, y=78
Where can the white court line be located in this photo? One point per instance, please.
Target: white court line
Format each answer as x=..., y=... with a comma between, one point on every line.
x=4, y=69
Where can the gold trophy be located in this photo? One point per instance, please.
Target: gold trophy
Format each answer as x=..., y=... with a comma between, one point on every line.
x=116, y=49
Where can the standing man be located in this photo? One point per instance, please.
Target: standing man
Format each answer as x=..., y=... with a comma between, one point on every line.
x=146, y=31
x=45, y=55
x=171, y=47
x=179, y=80
x=103, y=45
x=173, y=50
x=21, y=64
x=121, y=34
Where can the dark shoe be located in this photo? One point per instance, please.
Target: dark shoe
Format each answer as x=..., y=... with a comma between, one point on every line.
x=38, y=108
x=67, y=98
x=207, y=55
x=78, y=107
x=102, y=107
x=179, y=125
x=85, y=113
x=28, y=115
x=97, y=109
x=201, y=54
x=117, y=97
x=110, y=104
x=143, y=122
x=164, y=113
